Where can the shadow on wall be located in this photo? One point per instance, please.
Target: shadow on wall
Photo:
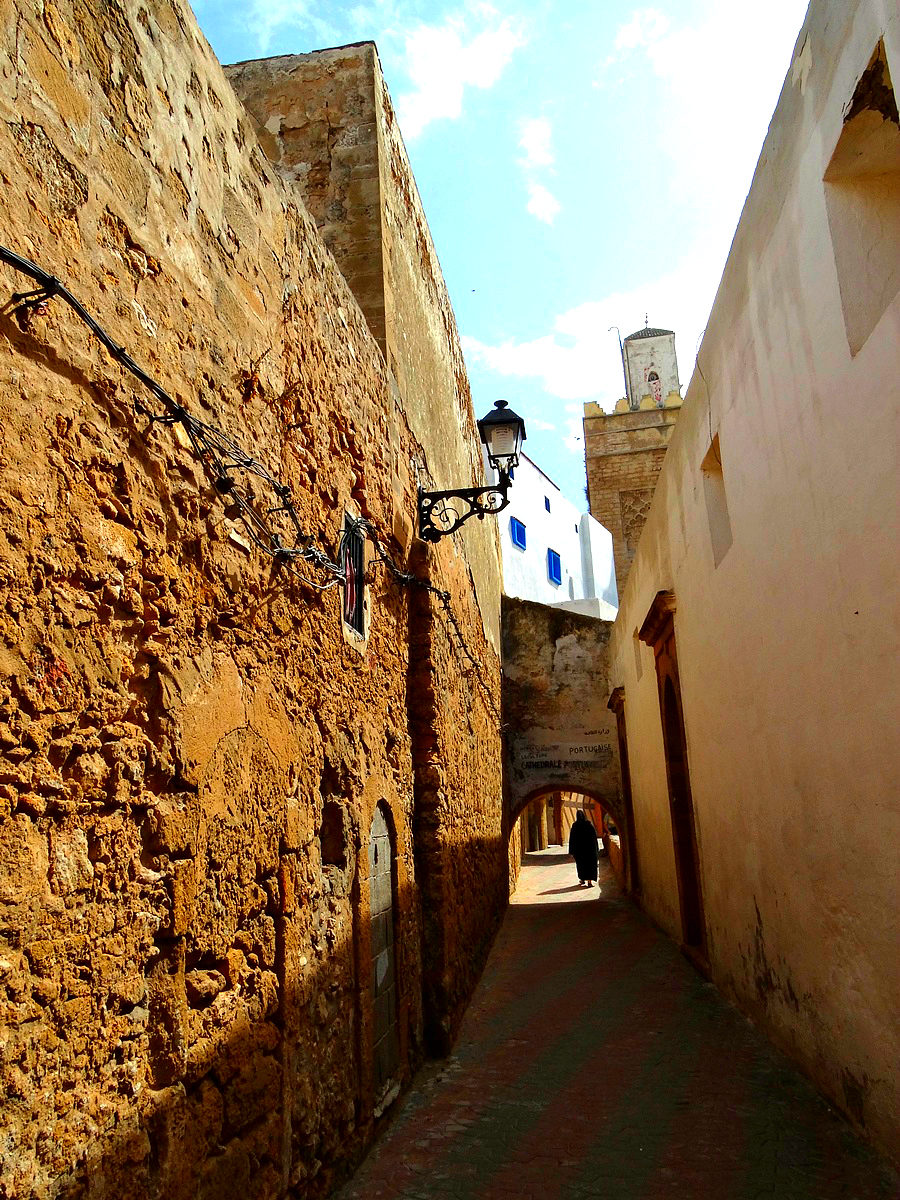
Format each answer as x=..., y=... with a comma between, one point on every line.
x=238, y=1111
x=249, y=1089
x=457, y=936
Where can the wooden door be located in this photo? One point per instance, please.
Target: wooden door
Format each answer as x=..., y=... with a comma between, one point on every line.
x=385, y=1050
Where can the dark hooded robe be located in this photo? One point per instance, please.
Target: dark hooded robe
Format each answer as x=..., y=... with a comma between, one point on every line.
x=583, y=847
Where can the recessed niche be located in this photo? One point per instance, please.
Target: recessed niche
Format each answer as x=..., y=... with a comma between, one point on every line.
x=331, y=835
x=862, y=197
x=720, y=535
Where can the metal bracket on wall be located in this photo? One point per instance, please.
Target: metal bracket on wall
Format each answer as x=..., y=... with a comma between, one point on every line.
x=441, y=513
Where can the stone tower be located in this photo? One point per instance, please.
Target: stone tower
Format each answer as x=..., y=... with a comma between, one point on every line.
x=624, y=449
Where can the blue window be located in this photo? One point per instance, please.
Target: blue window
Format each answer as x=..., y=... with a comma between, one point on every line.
x=547, y=503
x=517, y=532
x=554, y=567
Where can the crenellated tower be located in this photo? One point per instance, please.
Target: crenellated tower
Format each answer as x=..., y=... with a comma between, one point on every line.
x=624, y=449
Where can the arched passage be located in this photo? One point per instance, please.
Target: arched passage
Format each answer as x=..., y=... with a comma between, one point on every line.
x=544, y=818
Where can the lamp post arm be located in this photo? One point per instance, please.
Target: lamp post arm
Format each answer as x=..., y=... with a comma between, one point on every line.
x=442, y=513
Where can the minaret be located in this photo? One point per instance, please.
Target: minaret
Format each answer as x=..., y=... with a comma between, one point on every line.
x=624, y=449
x=651, y=368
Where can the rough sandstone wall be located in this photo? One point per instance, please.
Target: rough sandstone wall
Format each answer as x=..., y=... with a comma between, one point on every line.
x=316, y=118
x=184, y=981
x=462, y=864
x=360, y=189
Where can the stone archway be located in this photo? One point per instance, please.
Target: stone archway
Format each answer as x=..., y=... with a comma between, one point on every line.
x=560, y=736
x=607, y=817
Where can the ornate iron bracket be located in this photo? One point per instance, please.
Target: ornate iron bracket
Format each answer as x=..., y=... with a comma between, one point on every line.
x=441, y=513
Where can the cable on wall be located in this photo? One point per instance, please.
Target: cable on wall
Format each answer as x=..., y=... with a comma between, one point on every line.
x=272, y=522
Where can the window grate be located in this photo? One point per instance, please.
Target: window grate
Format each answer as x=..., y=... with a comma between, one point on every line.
x=354, y=576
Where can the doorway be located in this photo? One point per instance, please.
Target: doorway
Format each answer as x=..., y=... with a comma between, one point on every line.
x=681, y=807
x=385, y=1041
x=658, y=631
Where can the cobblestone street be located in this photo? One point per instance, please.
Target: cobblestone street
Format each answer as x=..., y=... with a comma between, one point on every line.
x=595, y=1062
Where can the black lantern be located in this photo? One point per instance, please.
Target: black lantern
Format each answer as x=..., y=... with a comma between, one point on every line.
x=502, y=431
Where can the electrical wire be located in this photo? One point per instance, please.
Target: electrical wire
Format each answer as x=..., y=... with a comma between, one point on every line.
x=221, y=457
x=408, y=579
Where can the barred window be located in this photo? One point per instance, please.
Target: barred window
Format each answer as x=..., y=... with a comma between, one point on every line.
x=354, y=576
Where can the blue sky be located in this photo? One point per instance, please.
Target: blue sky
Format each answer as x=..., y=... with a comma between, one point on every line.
x=581, y=164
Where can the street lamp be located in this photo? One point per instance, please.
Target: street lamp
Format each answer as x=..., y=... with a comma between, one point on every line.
x=502, y=431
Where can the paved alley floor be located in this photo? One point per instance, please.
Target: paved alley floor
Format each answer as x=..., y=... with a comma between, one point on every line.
x=595, y=1062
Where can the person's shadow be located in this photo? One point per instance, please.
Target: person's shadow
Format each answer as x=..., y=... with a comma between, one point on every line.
x=575, y=887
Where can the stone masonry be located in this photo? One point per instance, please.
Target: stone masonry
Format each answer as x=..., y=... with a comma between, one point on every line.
x=327, y=121
x=195, y=748
x=624, y=452
x=560, y=734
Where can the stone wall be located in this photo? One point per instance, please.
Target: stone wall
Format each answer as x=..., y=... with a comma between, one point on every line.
x=360, y=189
x=363, y=195
x=316, y=116
x=560, y=735
x=624, y=452
x=770, y=535
x=193, y=749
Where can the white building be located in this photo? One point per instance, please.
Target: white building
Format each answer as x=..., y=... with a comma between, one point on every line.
x=552, y=553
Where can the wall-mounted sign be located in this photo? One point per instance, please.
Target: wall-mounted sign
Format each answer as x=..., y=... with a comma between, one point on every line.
x=565, y=760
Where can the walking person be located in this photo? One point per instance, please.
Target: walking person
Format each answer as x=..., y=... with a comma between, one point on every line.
x=583, y=848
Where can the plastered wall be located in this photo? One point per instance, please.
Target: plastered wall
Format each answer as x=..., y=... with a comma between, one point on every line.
x=193, y=750
x=784, y=634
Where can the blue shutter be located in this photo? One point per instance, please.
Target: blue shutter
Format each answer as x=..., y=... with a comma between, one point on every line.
x=517, y=532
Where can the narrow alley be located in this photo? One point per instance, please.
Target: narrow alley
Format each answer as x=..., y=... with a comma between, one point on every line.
x=595, y=1062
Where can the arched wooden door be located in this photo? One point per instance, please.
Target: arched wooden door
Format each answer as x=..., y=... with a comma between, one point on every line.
x=684, y=834
x=658, y=631
x=385, y=1042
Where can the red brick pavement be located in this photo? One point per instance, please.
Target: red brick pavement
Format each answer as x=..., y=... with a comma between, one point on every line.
x=595, y=1062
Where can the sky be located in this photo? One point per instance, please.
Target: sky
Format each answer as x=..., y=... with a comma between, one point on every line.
x=582, y=164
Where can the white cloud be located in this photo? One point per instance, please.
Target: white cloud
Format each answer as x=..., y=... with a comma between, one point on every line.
x=647, y=25
x=443, y=60
x=268, y=15
x=543, y=426
x=579, y=358
x=716, y=84
x=542, y=203
x=536, y=138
